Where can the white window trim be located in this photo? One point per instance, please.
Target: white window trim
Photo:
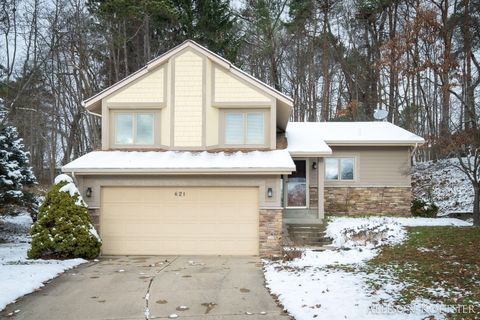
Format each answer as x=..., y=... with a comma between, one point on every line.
x=245, y=127
x=307, y=182
x=339, y=173
x=134, y=128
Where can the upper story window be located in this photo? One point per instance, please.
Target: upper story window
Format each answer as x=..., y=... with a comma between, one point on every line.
x=244, y=128
x=134, y=128
x=339, y=169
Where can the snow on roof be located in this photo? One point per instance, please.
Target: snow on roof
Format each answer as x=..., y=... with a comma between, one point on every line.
x=349, y=133
x=305, y=140
x=278, y=161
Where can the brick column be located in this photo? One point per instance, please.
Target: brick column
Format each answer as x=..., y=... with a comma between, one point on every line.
x=270, y=232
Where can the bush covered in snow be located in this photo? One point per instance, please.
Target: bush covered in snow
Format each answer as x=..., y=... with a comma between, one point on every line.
x=16, y=175
x=421, y=208
x=63, y=228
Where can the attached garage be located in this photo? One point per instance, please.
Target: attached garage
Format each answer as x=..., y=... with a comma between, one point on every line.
x=180, y=220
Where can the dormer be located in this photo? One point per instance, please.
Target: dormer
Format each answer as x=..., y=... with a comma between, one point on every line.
x=190, y=99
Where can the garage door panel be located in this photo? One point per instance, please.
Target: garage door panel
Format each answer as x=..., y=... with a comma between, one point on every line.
x=194, y=231
x=159, y=220
x=192, y=247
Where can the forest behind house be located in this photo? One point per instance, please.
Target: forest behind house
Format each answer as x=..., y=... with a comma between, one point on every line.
x=338, y=60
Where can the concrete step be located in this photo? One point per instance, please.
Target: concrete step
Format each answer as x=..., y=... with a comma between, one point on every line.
x=308, y=235
x=312, y=241
x=303, y=227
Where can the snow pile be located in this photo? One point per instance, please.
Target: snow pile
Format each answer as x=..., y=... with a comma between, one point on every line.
x=372, y=232
x=18, y=275
x=71, y=188
x=318, y=285
x=445, y=184
x=312, y=258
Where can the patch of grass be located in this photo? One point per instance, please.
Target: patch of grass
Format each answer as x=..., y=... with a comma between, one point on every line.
x=438, y=263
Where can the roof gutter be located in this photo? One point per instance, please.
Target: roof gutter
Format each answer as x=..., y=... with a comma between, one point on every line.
x=208, y=171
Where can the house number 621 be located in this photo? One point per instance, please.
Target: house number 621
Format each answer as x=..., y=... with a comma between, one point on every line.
x=179, y=193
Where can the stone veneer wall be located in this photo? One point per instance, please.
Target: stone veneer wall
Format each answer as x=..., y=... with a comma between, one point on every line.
x=95, y=218
x=313, y=197
x=270, y=232
x=368, y=200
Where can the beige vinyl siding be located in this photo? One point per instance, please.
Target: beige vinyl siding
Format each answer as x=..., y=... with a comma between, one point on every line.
x=188, y=101
x=149, y=88
x=166, y=115
x=212, y=117
x=228, y=88
x=190, y=92
x=179, y=221
x=376, y=166
x=261, y=182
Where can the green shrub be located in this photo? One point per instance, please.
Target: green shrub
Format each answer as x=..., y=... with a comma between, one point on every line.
x=421, y=208
x=63, y=228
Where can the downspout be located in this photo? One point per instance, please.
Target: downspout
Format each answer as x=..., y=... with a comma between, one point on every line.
x=74, y=178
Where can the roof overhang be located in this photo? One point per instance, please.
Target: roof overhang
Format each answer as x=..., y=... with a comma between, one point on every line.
x=309, y=154
x=182, y=162
x=373, y=143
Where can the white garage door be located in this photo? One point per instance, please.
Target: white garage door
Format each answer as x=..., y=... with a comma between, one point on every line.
x=179, y=221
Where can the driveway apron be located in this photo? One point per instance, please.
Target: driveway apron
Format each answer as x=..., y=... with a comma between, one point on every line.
x=154, y=287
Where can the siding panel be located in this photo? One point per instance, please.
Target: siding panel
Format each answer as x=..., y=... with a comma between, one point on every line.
x=146, y=89
x=376, y=166
x=230, y=89
x=188, y=116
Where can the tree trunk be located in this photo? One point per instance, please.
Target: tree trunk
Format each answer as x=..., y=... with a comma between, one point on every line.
x=476, y=206
x=325, y=66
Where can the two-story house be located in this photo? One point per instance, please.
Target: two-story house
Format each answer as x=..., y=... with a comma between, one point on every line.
x=199, y=157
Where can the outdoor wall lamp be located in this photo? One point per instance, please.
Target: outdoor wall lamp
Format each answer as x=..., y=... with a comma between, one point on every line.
x=88, y=192
x=314, y=165
x=269, y=192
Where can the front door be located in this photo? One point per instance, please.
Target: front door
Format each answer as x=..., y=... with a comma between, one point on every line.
x=297, y=186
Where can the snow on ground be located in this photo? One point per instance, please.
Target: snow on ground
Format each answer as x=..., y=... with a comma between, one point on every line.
x=319, y=284
x=445, y=184
x=19, y=275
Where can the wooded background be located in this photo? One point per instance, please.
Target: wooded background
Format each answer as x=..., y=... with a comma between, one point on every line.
x=339, y=60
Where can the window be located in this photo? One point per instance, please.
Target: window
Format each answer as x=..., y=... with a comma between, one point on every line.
x=134, y=128
x=297, y=185
x=244, y=128
x=339, y=168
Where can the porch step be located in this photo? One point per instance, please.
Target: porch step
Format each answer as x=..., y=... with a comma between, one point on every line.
x=308, y=235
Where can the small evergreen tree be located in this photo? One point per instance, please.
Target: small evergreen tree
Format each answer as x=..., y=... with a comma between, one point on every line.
x=16, y=175
x=63, y=228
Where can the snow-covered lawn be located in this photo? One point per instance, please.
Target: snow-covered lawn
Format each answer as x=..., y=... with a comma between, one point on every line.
x=445, y=184
x=334, y=284
x=18, y=275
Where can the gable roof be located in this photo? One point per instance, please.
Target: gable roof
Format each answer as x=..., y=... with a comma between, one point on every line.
x=93, y=103
x=348, y=133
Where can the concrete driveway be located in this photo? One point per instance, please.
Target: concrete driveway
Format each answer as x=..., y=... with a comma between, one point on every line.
x=153, y=288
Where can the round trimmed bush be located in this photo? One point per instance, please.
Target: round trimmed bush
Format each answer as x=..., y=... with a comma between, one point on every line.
x=421, y=208
x=63, y=228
